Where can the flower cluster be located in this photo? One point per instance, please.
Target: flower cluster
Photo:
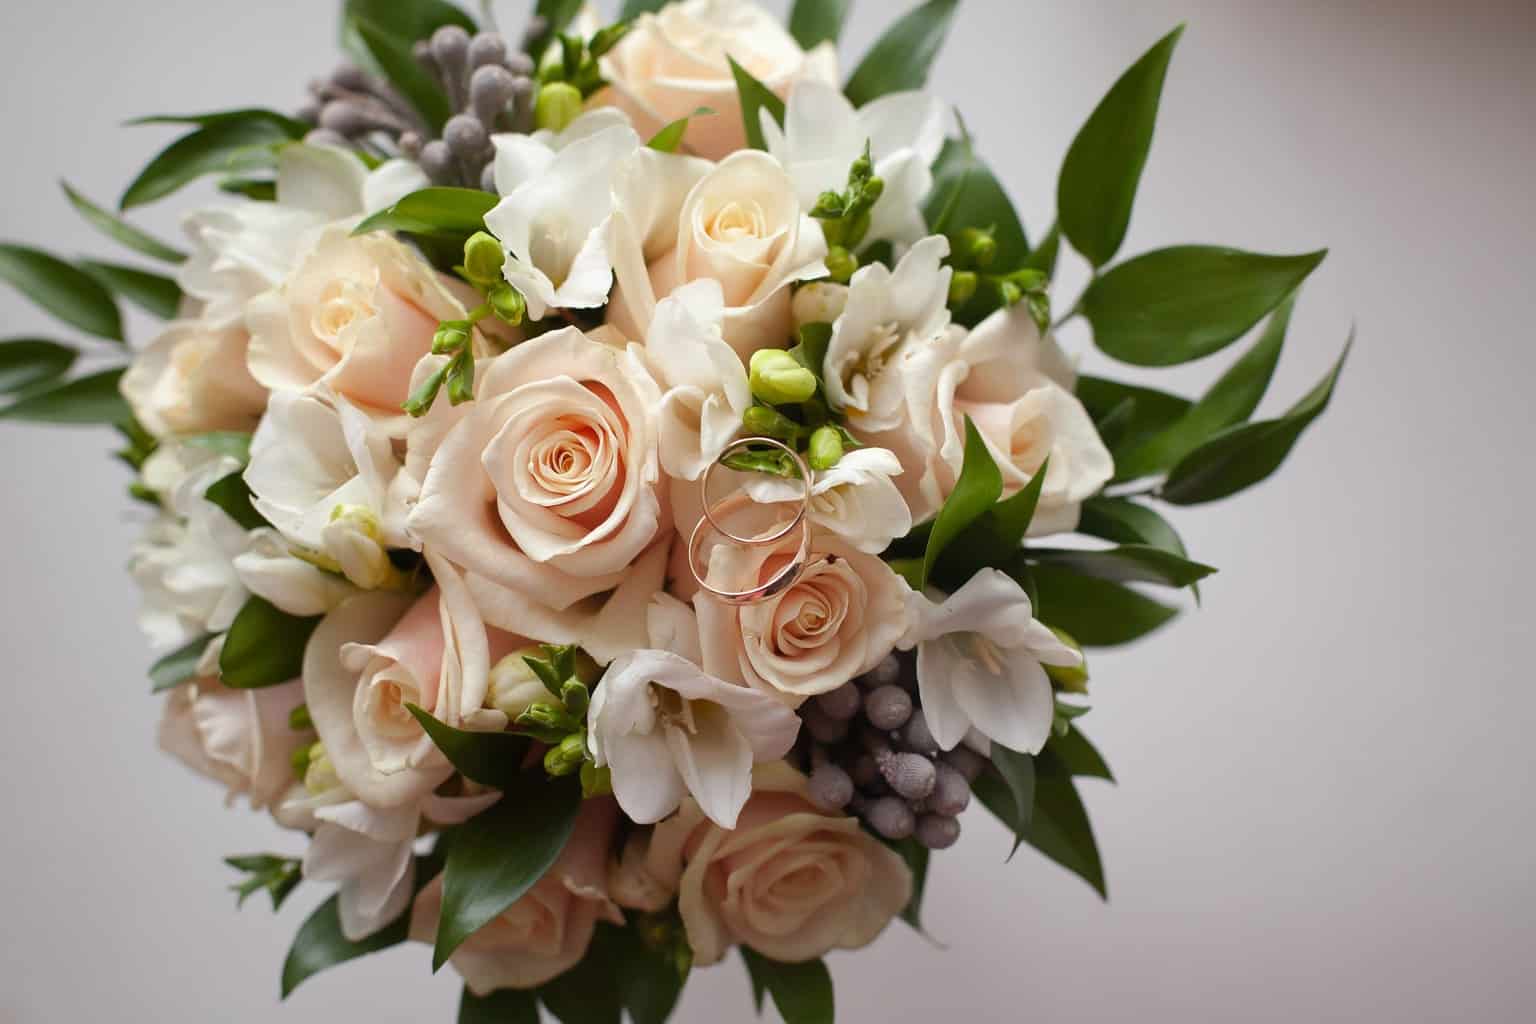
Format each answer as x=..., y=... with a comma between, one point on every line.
x=429, y=438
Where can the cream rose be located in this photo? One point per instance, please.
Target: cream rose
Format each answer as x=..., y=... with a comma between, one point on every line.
x=357, y=314
x=1016, y=386
x=192, y=379
x=240, y=738
x=741, y=225
x=547, y=931
x=844, y=614
x=789, y=881
x=674, y=61
x=545, y=490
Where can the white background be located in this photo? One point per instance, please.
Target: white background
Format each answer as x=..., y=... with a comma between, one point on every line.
x=1324, y=810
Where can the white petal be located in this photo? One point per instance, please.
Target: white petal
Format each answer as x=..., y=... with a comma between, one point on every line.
x=324, y=180
x=716, y=765
x=1014, y=708
x=645, y=780
x=946, y=719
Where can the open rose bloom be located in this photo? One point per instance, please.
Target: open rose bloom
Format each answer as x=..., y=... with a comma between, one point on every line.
x=615, y=493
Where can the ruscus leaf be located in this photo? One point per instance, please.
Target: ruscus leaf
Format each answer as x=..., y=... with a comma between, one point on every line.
x=979, y=486
x=490, y=758
x=154, y=293
x=177, y=667
x=28, y=362
x=900, y=58
x=119, y=230
x=61, y=289
x=94, y=399
x=1096, y=612
x=813, y=22
x=801, y=992
x=1129, y=563
x=264, y=646
x=755, y=96
x=1102, y=169
x=433, y=211
x=224, y=147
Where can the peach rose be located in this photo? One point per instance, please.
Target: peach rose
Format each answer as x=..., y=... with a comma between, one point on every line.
x=545, y=491
x=740, y=224
x=673, y=62
x=844, y=614
x=357, y=314
x=547, y=931
x=790, y=881
x=193, y=379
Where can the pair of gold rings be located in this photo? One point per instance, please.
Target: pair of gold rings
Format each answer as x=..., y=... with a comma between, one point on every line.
x=714, y=512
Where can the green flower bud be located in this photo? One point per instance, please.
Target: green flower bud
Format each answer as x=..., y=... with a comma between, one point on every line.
x=962, y=287
x=567, y=757
x=548, y=717
x=299, y=720
x=826, y=448
x=841, y=264
x=595, y=781
x=507, y=303
x=575, y=695
x=1071, y=678
x=858, y=227
x=319, y=775
x=828, y=205
x=483, y=259
x=513, y=686
x=451, y=336
x=979, y=246
x=558, y=105
x=762, y=421
x=422, y=398
x=778, y=379
x=870, y=194
x=1011, y=293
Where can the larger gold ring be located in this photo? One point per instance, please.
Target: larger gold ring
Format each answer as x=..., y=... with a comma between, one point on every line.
x=786, y=576
x=805, y=498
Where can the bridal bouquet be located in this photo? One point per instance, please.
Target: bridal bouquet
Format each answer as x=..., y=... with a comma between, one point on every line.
x=615, y=494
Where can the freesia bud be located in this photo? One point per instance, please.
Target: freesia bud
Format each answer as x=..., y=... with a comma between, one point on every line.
x=567, y=757
x=507, y=302
x=826, y=448
x=595, y=781
x=558, y=105
x=820, y=302
x=962, y=287
x=1072, y=678
x=841, y=264
x=451, y=336
x=979, y=246
x=778, y=379
x=483, y=258
x=352, y=539
x=513, y=686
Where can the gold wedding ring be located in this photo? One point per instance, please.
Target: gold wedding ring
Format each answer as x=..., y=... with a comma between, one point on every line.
x=786, y=576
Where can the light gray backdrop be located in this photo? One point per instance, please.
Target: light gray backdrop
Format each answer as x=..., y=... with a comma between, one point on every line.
x=1324, y=810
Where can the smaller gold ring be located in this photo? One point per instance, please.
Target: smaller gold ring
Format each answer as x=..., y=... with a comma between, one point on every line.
x=781, y=581
x=805, y=498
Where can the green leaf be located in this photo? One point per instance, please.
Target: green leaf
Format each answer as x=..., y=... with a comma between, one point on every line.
x=994, y=539
x=650, y=979
x=1175, y=305
x=263, y=190
x=394, y=58
x=557, y=15
x=1148, y=413
x=1244, y=455
x=264, y=646
x=490, y=758
x=116, y=228
x=634, y=8
x=1230, y=400
x=755, y=96
x=1129, y=563
x=592, y=992
x=916, y=855
x=974, y=493
x=813, y=22
x=1097, y=613
x=28, y=362
x=409, y=20
x=434, y=211
x=802, y=992
x=504, y=1006
x=900, y=58
x=234, y=443
x=65, y=291
x=224, y=147
x=497, y=856
x=320, y=944
x=279, y=876
x=179, y=666
x=233, y=495
x=1043, y=258
x=1017, y=770
x=1099, y=176
x=671, y=135
x=1060, y=829
x=966, y=194
x=1126, y=522
x=84, y=400
x=153, y=293
x=1079, y=756
x=290, y=128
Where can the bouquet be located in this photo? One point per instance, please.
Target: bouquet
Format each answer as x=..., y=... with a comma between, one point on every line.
x=614, y=493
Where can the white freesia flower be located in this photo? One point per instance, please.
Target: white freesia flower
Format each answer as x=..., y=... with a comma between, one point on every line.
x=667, y=729
x=242, y=249
x=369, y=850
x=184, y=564
x=823, y=135
x=553, y=225
x=324, y=475
x=980, y=662
x=857, y=499
x=888, y=313
x=270, y=570
x=707, y=390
